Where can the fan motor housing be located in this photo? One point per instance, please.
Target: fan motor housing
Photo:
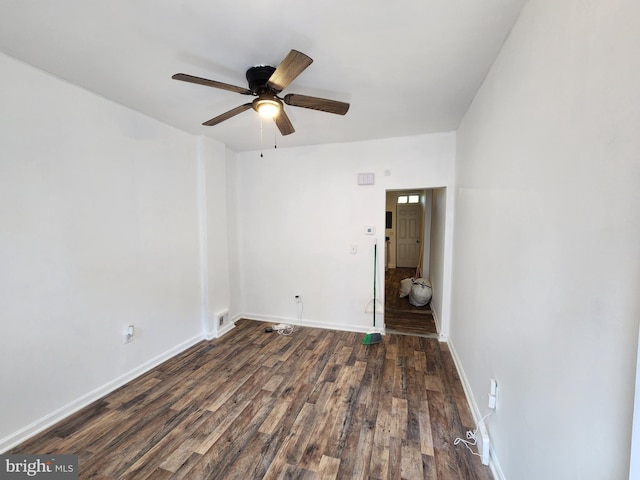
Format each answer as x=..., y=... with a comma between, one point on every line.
x=258, y=77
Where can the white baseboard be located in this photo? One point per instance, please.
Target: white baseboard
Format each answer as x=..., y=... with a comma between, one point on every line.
x=210, y=335
x=441, y=336
x=494, y=464
x=307, y=323
x=61, y=413
x=227, y=328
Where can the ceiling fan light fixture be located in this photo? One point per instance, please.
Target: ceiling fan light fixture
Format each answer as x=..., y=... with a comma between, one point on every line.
x=267, y=107
x=266, y=83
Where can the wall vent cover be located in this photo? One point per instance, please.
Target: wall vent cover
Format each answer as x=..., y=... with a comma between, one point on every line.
x=366, y=178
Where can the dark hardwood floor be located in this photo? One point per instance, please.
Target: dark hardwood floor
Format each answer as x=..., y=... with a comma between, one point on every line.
x=314, y=405
x=399, y=315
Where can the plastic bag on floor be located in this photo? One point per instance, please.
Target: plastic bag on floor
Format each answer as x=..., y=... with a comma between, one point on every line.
x=420, y=293
x=405, y=286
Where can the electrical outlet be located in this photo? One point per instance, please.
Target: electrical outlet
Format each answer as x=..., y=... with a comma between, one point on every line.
x=493, y=394
x=128, y=334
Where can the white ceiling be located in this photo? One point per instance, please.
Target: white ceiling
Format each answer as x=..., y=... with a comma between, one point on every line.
x=406, y=67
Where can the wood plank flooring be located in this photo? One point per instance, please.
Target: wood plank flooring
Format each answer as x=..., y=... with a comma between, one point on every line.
x=252, y=405
x=399, y=315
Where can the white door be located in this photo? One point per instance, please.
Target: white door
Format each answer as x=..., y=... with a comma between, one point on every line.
x=408, y=227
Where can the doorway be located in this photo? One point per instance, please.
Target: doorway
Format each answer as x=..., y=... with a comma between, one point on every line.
x=408, y=239
x=409, y=220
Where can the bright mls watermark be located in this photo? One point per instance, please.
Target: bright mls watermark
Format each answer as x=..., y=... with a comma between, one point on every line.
x=50, y=467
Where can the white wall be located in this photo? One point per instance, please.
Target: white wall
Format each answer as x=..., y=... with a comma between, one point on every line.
x=235, y=274
x=547, y=240
x=427, y=205
x=215, y=232
x=437, y=252
x=298, y=211
x=392, y=198
x=98, y=230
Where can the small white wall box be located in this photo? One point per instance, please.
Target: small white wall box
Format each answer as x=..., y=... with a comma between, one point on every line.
x=366, y=178
x=369, y=230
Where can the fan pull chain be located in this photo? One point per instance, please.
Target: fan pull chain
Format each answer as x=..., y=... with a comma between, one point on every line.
x=275, y=138
x=261, y=148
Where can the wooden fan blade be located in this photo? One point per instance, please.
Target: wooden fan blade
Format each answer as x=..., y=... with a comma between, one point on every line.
x=284, y=124
x=292, y=66
x=315, y=103
x=211, y=83
x=227, y=115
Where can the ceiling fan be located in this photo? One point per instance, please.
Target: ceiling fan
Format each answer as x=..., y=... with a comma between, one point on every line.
x=266, y=83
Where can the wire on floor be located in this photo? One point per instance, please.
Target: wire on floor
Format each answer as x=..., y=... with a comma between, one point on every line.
x=286, y=331
x=292, y=328
x=472, y=437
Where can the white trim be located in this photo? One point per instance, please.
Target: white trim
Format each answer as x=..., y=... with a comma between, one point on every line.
x=202, y=227
x=217, y=333
x=305, y=322
x=634, y=461
x=63, y=412
x=494, y=464
x=441, y=336
x=225, y=329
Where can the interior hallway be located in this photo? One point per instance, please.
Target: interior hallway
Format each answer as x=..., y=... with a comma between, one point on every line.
x=400, y=316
